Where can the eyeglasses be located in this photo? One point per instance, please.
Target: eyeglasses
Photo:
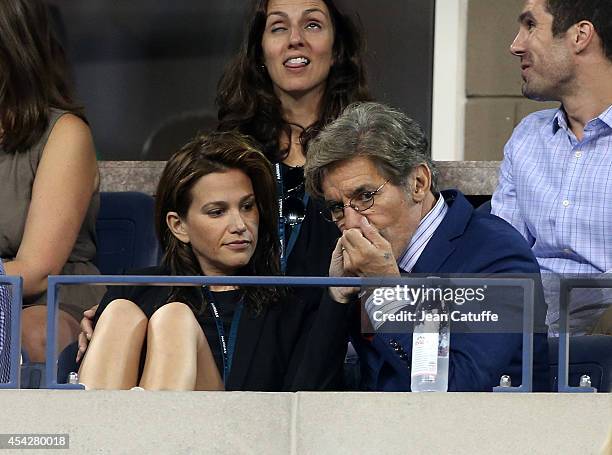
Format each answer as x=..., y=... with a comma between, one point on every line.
x=360, y=203
x=293, y=210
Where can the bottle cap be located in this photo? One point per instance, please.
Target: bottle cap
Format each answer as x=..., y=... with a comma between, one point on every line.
x=505, y=381
x=585, y=380
x=73, y=378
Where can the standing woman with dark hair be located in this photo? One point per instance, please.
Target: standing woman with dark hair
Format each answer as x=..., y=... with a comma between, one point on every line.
x=216, y=216
x=48, y=174
x=299, y=66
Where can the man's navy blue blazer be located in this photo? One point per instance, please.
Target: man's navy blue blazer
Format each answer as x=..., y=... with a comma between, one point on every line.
x=466, y=242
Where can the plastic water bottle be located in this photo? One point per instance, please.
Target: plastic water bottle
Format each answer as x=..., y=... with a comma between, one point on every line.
x=430, y=347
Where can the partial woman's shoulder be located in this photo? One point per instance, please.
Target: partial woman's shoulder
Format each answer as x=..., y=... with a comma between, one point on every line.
x=66, y=123
x=69, y=136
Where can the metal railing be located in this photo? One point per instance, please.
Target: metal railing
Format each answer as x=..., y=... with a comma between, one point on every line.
x=14, y=326
x=54, y=282
x=566, y=286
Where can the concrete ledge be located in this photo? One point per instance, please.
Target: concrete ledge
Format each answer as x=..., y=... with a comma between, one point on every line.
x=130, y=175
x=456, y=423
x=309, y=423
x=471, y=177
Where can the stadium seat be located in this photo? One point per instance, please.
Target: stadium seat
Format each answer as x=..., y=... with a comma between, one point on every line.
x=176, y=131
x=126, y=232
x=32, y=375
x=588, y=355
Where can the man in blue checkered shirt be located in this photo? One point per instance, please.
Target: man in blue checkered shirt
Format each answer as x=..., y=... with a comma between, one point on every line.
x=555, y=183
x=5, y=308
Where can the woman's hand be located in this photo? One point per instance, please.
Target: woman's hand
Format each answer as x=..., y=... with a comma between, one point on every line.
x=86, y=331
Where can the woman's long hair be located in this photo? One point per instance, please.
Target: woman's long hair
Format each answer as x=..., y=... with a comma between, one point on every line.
x=245, y=94
x=33, y=74
x=219, y=152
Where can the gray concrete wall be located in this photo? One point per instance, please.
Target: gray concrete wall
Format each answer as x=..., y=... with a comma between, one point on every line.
x=494, y=104
x=312, y=423
x=137, y=63
x=471, y=177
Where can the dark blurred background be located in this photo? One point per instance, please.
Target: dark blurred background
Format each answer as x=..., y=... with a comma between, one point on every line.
x=139, y=63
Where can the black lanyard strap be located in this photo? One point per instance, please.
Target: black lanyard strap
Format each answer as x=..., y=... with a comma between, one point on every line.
x=286, y=245
x=228, y=346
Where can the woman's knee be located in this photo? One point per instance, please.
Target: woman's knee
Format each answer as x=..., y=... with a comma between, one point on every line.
x=34, y=328
x=34, y=316
x=122, y=313
x=175, y=315
x=34, y=331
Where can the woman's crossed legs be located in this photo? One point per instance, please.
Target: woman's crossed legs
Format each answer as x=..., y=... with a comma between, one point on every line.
x=178, y=355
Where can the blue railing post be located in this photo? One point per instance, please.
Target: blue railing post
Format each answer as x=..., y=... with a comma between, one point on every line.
x=528, y=327
x=16, y=283
x=53, y=284
x=565, y=288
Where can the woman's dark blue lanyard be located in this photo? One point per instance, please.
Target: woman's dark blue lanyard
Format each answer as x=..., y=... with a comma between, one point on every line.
x=228, y=346
x=295, y=231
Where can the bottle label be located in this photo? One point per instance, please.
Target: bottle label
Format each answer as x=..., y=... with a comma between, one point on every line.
x=424, y=353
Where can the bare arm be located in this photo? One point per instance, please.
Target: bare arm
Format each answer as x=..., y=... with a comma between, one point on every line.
x=66, y=178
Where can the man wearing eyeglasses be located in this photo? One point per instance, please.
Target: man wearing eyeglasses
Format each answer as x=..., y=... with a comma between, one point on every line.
x=380, y=188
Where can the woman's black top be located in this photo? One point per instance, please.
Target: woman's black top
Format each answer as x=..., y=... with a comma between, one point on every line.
x=317, y=238
x=298, y=344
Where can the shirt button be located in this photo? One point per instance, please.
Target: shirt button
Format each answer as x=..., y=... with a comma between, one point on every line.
x=566, y=203
x=578, y=154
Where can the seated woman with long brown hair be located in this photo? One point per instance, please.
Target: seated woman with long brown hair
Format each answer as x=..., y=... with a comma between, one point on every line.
x=216, y=214
x=49, y=178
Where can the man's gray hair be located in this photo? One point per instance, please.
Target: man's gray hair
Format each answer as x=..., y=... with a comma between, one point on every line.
x=394, y=142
